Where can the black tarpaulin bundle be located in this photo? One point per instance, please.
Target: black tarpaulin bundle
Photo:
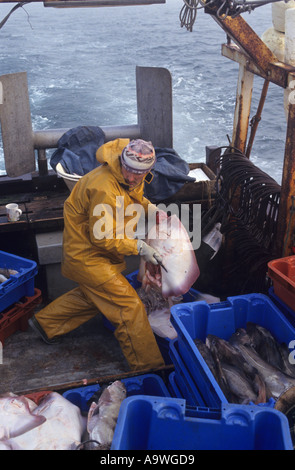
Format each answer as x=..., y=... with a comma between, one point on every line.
x=170, y=174
x=76, y=150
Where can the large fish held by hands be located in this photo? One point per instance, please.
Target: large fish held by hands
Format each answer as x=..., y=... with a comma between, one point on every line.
x=170, y=238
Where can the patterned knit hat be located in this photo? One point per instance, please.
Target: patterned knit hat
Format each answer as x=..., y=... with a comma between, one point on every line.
x=138, y=156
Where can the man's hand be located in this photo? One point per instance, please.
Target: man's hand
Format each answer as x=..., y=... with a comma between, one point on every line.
x=148, y=253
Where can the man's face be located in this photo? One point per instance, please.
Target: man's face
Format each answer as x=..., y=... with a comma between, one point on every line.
x=132, y=179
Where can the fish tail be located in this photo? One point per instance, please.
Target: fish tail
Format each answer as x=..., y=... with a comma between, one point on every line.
x=261, y=388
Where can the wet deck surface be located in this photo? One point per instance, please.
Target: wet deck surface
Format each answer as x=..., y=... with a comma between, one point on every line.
x=88, y=353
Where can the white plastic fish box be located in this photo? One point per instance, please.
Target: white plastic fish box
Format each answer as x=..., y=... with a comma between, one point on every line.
x=153, y=423
x=17, y=285
x=198, y=319
x=163, y=343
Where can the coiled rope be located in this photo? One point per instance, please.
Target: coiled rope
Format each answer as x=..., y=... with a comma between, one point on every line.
x=188, y=14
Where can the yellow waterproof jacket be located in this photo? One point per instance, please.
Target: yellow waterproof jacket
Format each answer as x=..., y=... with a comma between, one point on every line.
x=94, y=245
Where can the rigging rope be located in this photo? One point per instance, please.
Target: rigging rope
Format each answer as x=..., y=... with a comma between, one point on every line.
x=188, y=14
x=18, y=5
x=222, y=9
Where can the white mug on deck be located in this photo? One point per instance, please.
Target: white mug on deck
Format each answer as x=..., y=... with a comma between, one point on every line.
x=13, y=212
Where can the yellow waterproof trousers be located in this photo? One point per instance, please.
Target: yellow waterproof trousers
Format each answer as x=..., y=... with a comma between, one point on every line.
x=120, y=304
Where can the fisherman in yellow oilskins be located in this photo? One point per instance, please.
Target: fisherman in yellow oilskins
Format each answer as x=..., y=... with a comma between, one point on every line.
x=95, y=262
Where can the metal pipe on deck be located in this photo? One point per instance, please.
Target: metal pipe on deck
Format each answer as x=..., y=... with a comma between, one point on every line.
x=42, y=162
x=48, y=139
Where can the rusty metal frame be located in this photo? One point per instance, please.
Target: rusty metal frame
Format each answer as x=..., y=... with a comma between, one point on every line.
x=242, y=109
x=255, y=57
x=249, y=42
x=286, y=217
x=277, y=72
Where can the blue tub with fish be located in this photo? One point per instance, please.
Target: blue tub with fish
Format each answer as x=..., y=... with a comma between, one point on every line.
x=147, y=384
x=162, y=342
x=18, y=284
x=170, y=425
x=199, y=319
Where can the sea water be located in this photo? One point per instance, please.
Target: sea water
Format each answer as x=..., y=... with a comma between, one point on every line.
x=81, y=71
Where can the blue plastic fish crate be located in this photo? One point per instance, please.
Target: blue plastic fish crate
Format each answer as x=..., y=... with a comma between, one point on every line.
x=198, y=319
x=173, y=386
x=152, y=423
x=186, y=382
x=20, y=284
x=163, y=343
x=179, y=389
x=284, y=308
x=148, y=384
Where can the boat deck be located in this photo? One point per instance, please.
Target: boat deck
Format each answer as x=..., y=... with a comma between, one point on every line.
x=89, y=354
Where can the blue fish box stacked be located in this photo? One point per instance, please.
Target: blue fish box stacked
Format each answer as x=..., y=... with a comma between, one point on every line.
x=150, y=419
x=192, y=378
x=151, y=423
x=18, y=284
x=194, y=413
x=147, y=384
x=288, y=312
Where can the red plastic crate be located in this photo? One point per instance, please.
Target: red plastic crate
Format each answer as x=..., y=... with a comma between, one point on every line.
x=37, y=397
x=282, y=273
x=16, y=316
